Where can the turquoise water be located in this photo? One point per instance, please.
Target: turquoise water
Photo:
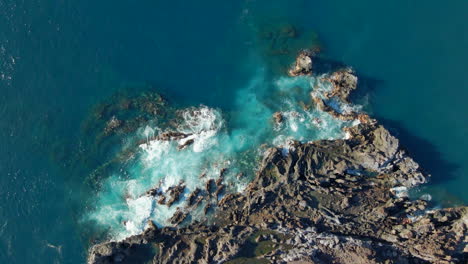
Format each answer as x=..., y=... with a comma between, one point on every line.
x=59, y=60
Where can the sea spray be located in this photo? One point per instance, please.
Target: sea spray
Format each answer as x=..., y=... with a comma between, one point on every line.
x=210, y=145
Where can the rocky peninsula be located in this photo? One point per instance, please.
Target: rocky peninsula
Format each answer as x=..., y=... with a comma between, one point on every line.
x=326, y=201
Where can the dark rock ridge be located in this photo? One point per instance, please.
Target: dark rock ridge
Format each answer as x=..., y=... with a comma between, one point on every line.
x=327, y=201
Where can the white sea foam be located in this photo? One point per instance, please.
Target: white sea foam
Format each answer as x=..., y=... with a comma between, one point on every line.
x=161, y=164
x=139, y=212
x=400, y=191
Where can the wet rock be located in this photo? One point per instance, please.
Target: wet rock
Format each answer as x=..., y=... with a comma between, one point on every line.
x=178, y=217
x=154, y=192
x=185, y=144
x=303, y=64
x=278, y=118
x=344, y=82
x=208, y=208
x=174, y=193
x=222, y=173
x=192, y=199
x=172, y=135
x=210, y=186
x=336, y=102
x=162, y=200
x=302, y=204
x=220, y=191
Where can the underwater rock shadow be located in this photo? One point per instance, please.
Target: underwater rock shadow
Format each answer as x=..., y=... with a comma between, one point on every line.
x=190, y=96
x=322, y=65
x=366, y=87
x=423, y=152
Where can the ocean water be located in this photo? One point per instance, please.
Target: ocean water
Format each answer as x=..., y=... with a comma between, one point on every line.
x=58, y=60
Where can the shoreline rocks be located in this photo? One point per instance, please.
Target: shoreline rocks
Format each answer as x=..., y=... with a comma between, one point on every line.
x=326, y=201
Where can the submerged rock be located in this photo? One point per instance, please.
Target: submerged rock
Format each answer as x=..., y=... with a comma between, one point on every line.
x=112, y=125
x=174, y=193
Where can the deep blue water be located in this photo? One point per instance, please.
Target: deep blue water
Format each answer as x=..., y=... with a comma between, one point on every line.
x=58, y=59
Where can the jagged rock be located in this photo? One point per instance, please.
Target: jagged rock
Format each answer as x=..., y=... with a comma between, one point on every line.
x=172, y=135
x=135, y=249
x=210, y=186
x=357, y=218
x=162, y=200
x=220, y=191
x=207, y=208
x=153, y=192
x=278, y=118
x=175, y=192
x=178, y=217
x=333, y=102
x=192, y=199
x=221, y=175
x=185, y=144
x=303, y=64
x=344, y=82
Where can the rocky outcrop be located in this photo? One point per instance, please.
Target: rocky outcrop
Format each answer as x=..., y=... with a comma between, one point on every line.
x=336, y=102
x=112, y=125
x=327, y=201
x=303, y=64
x=174, y=193
x=344, y=82
x=324, y=202
x=278, y=118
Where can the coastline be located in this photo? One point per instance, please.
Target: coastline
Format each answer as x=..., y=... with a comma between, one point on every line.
x=342, y=200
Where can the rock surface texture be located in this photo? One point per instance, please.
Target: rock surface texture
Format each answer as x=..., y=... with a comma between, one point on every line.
x=327, y=201
x=303, y=64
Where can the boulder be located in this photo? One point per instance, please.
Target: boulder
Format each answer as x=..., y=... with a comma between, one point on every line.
x=303, y=64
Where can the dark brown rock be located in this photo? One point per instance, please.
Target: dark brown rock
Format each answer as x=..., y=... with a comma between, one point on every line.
x=185, y=144
x=278, y=118
x=303, y=64
x=174, y=193
x=178, y=217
